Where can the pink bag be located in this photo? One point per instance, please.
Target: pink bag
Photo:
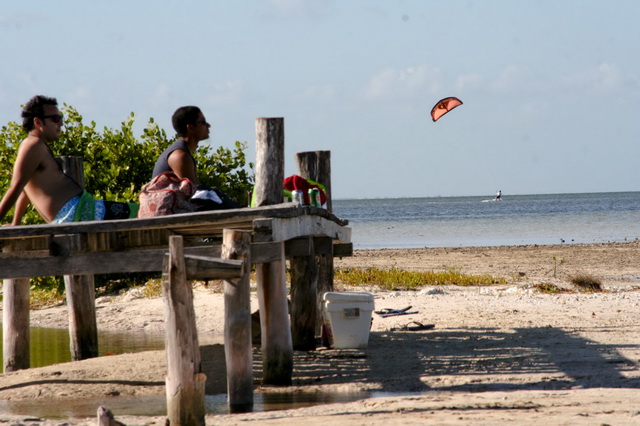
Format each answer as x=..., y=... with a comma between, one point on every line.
x=166, y=194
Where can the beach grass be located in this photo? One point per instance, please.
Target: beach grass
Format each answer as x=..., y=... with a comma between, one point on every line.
x=586, y=283
x=548, y=288
x=399, y=279
x=39, y=297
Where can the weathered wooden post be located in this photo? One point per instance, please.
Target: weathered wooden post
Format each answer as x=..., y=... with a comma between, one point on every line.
x=15, y=323
x=237, y=324
x=185, y=381
x=316, y=165
x=277, y=348
x=304, y=288
x=269, y=161
x=80, y=289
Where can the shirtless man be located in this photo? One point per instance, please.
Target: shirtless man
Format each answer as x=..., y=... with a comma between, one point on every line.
x=37, y=177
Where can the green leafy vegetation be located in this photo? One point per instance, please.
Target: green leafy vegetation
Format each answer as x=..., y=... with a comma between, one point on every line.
x=46, y=296
x=398, y=279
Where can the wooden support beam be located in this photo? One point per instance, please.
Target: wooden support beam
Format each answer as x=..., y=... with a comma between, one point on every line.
x=283, y=229
x=325, y=279
x=275, y=326
x=42, y=264
x=341, y=249
x=83, y=326
x=80, y=289
x=237, y=324
x=209, y=268
x=277, y=349
x=265, y=252
x=304, y=283
x=269, y=161
x=297, y=247
x=185, y=380
x=316, y=165
x=15, y=324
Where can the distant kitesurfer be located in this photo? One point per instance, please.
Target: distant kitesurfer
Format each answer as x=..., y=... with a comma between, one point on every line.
x=499, y=196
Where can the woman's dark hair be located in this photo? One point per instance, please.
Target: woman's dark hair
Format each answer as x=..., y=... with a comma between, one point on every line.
x=184, y=116
x=35, y=108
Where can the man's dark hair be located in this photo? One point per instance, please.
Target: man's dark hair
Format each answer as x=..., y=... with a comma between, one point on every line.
x=35, y=108
x=184, y=116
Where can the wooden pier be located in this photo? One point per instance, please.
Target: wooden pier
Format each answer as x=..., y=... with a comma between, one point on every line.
x=204, y=245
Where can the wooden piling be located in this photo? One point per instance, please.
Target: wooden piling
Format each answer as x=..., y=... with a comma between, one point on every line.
x=185, y=381
x=80, y=289
x=304, y=286
x=269, y=161
x=277, y=349
x=83, y=327
x=15, y=324
x=237, y=324
x=316, y=165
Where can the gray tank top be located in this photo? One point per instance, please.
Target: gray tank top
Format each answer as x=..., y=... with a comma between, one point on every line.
x=162, y=164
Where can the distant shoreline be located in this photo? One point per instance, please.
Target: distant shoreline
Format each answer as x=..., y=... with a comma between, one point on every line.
x=487, y=196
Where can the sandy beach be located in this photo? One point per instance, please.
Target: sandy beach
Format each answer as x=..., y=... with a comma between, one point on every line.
x=504, y=353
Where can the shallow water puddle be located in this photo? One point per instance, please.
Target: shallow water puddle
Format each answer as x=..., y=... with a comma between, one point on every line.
x=156, y=405
x=51, y=345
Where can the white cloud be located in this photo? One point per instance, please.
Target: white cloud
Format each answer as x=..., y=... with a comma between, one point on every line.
x=512, y=77
x=402, y=83
x=469, y=82
x=604, y=79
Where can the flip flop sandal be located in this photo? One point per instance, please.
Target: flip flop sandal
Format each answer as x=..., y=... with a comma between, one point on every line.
x=384, y=313
x=418, y=326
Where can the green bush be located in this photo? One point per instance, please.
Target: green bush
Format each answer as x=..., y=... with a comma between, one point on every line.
x=117, y=164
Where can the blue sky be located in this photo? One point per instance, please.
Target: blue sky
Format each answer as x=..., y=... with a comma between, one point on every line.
x=551, y=89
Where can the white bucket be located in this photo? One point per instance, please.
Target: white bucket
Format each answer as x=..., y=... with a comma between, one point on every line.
x=349, y=316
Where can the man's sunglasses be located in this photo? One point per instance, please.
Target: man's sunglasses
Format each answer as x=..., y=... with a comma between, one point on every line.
x=56, y=118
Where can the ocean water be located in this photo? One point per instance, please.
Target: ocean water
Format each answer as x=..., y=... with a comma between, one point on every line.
x=480, y=221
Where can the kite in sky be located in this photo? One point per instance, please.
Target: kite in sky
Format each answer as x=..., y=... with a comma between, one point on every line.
x=444, y=106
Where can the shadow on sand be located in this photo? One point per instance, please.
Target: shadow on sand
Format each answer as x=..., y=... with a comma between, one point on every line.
x=474, y=360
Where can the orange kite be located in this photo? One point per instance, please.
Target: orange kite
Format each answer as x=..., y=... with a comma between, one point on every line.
x=444, y=106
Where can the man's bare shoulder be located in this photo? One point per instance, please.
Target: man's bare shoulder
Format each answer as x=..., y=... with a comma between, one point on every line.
x=34, y=154
x=33, y=143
